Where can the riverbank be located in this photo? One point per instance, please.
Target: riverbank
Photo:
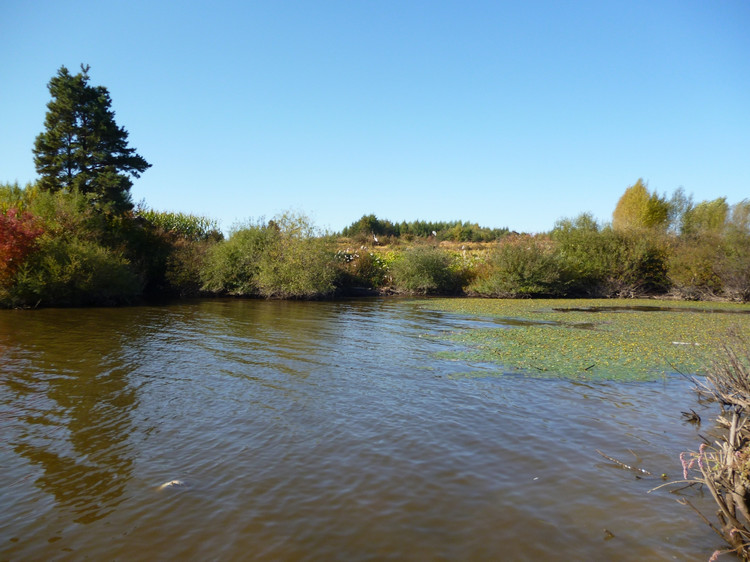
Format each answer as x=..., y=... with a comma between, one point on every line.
x=58, y=250
x=722, y=466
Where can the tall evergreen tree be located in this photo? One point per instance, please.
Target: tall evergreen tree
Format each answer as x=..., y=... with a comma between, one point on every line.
x=82, y=148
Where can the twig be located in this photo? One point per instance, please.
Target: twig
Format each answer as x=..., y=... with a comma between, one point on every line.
x=623, y=465
x=685, y=501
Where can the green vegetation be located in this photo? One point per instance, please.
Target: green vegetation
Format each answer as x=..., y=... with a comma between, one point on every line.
x=521, y=266
x=639, y=209
x=363, y=269
x=73, y=238
x=62, y=256
x=370, y=226
x=654, y=246
x=81, y=148
x=285, y=258
x=426, y=270
x=595, y=339
x=56, y=249
x=181, y=225
x=60, y=250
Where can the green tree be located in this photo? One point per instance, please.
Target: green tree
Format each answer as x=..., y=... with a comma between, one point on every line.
x=706, y=216
x=637, y=208
x=739, y=219
x=588, y=253
x=679, y=205
x=82, y=148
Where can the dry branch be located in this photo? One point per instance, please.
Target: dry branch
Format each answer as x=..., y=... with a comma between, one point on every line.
x=625, y=466
x=723, y=467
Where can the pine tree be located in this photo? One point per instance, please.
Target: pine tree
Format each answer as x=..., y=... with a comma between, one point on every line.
x=82, y=148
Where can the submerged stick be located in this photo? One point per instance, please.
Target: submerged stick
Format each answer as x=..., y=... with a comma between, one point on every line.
x=685, y=501
x=623, y=465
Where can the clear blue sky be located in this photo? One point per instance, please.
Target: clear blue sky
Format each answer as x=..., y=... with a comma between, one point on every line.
x=503, y=113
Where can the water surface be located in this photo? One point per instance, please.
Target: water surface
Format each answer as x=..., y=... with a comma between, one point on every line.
x=321, y=431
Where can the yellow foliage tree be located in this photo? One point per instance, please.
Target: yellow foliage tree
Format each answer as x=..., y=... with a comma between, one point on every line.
x=637, y=208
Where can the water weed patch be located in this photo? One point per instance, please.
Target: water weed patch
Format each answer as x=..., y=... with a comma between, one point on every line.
x=594, y=339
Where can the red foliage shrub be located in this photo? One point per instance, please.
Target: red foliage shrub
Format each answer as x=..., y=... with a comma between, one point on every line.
x=18, y=234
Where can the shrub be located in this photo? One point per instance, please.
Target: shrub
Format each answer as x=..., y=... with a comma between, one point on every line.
x=712, y=256
x=74, y=272
x=232, y=266
x=184, y=264
x=425, y=270
x=361, y=269
x=18, y=236
x=68, y=214
x=72, y=264
x=693, y=268
x=13, y=196
x=166, y=249
x=587, y=254
x=522, y=266
x=286, y=258
x=734, y=270
x=640, y=264
x=146, y=247
x=299, y=262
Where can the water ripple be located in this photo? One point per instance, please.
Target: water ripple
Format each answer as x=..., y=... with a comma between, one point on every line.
x=308, y=431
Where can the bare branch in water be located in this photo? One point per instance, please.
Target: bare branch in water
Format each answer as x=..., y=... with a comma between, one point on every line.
x=723, y=466
x=625, y=466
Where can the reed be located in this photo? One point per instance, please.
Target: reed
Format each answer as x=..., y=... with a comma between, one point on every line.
x=723, y=466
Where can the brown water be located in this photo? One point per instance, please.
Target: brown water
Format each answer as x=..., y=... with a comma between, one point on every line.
x=320, y=431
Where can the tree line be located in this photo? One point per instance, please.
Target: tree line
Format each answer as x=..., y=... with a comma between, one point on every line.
x=74, y=237
x=370, y=226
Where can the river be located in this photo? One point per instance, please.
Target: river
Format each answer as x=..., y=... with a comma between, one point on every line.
x=322, y=431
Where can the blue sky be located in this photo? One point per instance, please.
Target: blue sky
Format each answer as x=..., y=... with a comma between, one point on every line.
x=503, y=113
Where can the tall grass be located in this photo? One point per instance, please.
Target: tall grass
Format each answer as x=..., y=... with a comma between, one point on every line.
x=187, y=226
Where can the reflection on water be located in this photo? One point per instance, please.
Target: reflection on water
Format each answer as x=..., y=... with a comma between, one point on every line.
x=68, y=399
x=319, y=431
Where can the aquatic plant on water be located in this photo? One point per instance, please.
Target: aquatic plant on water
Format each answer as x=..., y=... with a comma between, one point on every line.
x=592, y=339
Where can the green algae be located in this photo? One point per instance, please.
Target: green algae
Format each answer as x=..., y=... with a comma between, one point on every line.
x=594, y=339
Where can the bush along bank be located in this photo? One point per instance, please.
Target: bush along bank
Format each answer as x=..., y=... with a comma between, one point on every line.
x=56, y=249
x=59, y=249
